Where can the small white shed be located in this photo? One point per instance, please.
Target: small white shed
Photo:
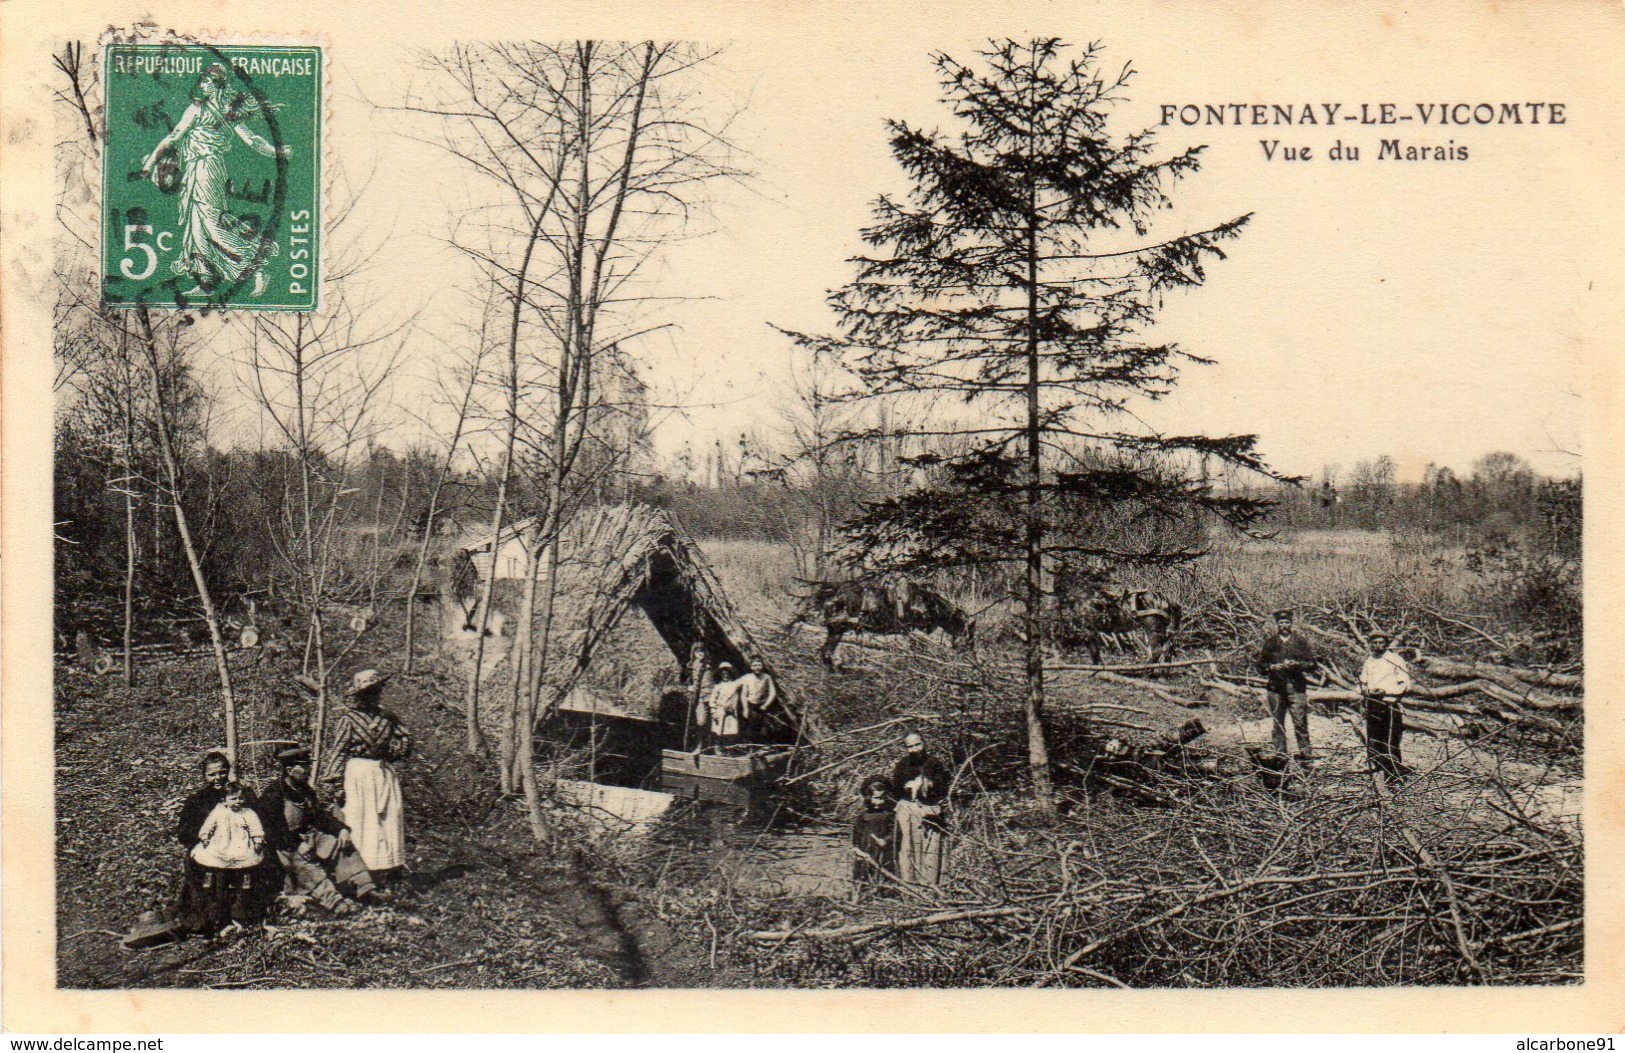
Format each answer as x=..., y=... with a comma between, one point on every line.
x=512, y=549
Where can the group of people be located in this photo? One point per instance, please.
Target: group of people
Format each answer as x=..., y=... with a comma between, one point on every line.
x=244, y=850
x=735, y=701
x=901, y=833
x=1287, y=658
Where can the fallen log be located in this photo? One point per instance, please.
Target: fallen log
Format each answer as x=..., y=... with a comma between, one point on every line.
x=1338, y=677
x=1146, y=685
x=1246, y=690
x=1419, y=721
x=1136, y=667
x=1340, y=639
x=1128, y=786
x=1511, y=677
x=1509, y=697
x=847, y=932
x=1113, y=705
x=1422, y=698
x=1549, y=678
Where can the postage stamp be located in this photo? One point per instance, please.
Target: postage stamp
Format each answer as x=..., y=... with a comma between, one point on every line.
x=211, y=176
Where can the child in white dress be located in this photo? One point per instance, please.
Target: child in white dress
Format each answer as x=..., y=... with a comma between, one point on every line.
x=231, y=846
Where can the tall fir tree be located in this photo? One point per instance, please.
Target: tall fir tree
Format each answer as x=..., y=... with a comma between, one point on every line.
x=1016, y=279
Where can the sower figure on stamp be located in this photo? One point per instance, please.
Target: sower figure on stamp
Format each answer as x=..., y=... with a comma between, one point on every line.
x=311, y=843
x=1286, y=658
x=921, y=784
x=367, y=741
x=217, y=247
x=1385, y=679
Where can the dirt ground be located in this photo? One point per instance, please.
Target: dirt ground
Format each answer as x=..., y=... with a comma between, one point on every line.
x=482, y=906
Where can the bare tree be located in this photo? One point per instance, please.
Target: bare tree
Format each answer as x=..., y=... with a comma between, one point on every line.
x=98, y=338
x=81, y=83
x=165, y=348
x=597, y=153
x=823, y=472
x=318, y=380
x=115, y=389
x=460, y=382
x=103, y=401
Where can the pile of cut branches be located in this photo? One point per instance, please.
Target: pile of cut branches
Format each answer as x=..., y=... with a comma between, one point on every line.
x=1457, y=878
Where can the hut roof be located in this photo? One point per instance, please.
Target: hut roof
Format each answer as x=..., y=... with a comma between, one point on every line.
x=614, y=559
x=480, y=540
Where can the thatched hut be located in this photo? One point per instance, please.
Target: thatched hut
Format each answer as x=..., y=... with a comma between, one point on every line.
x=651, y=667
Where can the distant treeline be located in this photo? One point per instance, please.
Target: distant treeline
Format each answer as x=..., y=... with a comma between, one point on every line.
x=240, y=503
x=1501, y=499
x=241, y=506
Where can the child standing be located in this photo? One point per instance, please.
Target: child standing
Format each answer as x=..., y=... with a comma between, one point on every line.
x=230, y=847
x=874, y=835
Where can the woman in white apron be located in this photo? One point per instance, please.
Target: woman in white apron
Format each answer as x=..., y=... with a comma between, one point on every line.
x=367, y=740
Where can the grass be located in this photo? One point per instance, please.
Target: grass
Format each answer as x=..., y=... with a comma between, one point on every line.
x=759, y=576
x=969, y=709
x=1306, y=569
x=1330, y=567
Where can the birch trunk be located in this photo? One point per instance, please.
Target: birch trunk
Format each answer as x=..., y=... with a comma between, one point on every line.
x=171, y=464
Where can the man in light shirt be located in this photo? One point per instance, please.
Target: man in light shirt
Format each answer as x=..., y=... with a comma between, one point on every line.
x=757, y=691
x=1384, y=681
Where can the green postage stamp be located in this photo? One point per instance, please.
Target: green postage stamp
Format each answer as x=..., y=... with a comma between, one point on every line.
x=211, y=176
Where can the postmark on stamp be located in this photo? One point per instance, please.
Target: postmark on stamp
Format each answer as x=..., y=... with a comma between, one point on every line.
x=211, y=176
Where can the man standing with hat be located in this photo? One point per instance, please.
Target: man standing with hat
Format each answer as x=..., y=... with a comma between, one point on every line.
x=1285, y=659
x=367, y=741
x=311, y=843
x=1385, y=679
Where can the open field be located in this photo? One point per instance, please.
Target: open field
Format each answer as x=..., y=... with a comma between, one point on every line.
x=1300, y=567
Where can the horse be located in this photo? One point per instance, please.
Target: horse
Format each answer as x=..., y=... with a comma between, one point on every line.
x=763, y=476
x=1122, y=614
x=865, y=607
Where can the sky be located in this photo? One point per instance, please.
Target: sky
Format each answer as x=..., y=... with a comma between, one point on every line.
x=1432, y=311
